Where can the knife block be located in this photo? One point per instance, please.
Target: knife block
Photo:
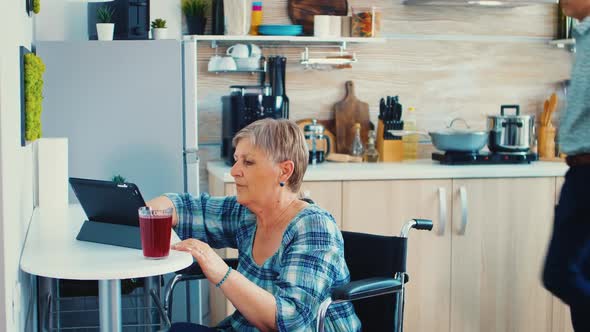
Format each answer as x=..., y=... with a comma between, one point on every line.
x=389, y=149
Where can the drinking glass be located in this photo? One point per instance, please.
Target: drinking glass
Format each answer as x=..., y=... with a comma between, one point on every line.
x=155, y=227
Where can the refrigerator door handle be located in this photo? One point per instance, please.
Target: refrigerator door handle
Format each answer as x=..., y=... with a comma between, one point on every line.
x=192, y=155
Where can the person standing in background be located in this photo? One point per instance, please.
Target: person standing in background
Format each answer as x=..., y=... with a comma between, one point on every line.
x=566, y=273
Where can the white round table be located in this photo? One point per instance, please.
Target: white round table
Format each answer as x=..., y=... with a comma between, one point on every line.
x=51, y=250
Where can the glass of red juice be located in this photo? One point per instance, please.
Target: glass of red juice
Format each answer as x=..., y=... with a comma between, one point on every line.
x=155, y=227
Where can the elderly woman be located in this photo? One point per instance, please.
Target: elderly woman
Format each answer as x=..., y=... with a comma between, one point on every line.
x=290, y=252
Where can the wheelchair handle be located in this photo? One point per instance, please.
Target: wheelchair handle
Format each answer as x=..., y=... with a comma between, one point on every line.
x=423, y=224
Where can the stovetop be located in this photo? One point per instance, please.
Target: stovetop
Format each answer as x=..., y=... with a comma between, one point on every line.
x=483, y=158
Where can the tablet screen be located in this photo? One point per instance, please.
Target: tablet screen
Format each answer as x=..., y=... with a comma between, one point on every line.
x=109, y=202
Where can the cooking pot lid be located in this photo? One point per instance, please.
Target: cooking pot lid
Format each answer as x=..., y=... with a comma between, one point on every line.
x=450, y=131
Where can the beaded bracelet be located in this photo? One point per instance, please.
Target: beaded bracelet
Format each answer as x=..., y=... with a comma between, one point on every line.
x=224, y=278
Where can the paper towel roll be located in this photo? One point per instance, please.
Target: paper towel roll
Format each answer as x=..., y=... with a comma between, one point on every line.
x=51, y=155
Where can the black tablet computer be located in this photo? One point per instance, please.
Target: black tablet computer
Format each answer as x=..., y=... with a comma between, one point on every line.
x=111, y=209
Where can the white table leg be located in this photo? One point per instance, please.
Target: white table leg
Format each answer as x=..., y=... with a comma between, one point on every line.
x=109, y=304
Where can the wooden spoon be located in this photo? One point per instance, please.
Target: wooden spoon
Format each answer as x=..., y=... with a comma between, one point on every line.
x=544, y=114
x=552, y=106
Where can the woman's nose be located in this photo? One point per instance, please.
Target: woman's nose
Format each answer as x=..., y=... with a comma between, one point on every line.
x=235, y=170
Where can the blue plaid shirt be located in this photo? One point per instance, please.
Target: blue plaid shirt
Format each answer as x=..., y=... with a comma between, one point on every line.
x=308, y=263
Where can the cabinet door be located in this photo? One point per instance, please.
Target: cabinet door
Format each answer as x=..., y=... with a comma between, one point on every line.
x=327, y=195
x=382, y=207
x=500, y=231
x=562, y=321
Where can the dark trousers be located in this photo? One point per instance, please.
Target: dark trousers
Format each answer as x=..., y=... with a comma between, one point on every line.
x=567, y=266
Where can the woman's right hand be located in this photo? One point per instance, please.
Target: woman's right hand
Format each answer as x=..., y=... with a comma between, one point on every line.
x=213, y=266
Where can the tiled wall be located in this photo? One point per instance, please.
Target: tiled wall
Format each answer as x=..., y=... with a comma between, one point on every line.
x=445, y=61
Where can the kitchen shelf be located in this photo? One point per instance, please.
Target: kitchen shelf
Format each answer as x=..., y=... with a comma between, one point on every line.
x=343, y=41
x=251, y=71
x=479, y=3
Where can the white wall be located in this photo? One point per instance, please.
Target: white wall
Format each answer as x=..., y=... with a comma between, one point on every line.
x=16, y=168
x=67, y=19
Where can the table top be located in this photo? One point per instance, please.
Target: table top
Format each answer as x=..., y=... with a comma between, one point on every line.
x=51, y=250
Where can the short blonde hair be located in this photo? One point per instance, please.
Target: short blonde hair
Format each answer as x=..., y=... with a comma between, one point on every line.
x=281, y=140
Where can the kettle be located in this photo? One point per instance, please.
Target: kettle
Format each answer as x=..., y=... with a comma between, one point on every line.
x=314, y=135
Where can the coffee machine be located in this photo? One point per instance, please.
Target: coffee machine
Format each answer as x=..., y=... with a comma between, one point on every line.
x=244, y=105
x=248, y=103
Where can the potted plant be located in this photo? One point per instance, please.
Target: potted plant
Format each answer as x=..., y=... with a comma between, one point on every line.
x=194, y=11
x=105, y=28
x=159, y=30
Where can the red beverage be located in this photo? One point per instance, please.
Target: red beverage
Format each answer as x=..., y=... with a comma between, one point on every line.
x=155, y=234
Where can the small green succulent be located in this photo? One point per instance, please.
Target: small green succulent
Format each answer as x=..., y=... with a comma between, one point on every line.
x=195, y=7
x=159, y=23
x=118, y=179
x=104, y=14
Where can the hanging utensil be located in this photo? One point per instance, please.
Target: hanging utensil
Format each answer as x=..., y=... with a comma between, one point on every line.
x=283, y=69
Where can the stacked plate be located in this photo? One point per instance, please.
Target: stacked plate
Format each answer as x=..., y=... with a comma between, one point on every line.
x=280, y=30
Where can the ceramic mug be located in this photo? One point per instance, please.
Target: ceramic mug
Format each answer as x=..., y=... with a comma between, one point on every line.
x=213, y=64
x=244, y=51
x=226, y=63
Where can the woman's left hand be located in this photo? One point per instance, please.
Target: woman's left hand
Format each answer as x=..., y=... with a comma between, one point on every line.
x=212, y=265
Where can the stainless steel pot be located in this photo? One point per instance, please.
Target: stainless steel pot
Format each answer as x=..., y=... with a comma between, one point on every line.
x=451, y=139
x=511, y=133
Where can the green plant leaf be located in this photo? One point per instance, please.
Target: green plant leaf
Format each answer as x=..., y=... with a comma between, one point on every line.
x=159, y=23
x=34, y=69
x=36, y=6
x=104, y=14
x=195, y=7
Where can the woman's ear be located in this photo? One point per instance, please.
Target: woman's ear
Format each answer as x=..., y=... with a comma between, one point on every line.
x=286, y=170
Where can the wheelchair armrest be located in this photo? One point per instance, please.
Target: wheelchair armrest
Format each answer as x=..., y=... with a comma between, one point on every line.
x=364, y=288
x=194, y=270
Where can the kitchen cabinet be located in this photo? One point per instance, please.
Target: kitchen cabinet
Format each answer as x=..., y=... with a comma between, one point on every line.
x=479, y=269
x=481, y=277
x=500, y=230
x=382, y=207
x=562, y=321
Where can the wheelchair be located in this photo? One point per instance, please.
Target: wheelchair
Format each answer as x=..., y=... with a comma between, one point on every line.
x=378, y=277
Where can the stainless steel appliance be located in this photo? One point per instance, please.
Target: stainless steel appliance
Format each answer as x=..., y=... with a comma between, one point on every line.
x=511, y=133
x=319, y=144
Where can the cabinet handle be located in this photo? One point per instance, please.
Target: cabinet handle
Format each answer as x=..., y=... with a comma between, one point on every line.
x=463, y=195
x=442, y=210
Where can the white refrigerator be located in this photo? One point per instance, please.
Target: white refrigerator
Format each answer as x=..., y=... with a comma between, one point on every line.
x=128, y=108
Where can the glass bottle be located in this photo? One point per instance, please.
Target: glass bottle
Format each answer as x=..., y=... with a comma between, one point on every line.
x=410, y=142
x=371, y=155
x=357, y=148
x=256, y=18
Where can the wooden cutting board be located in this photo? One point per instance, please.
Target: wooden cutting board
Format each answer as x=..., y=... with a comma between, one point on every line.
x=347, y=112
x=302, y=11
